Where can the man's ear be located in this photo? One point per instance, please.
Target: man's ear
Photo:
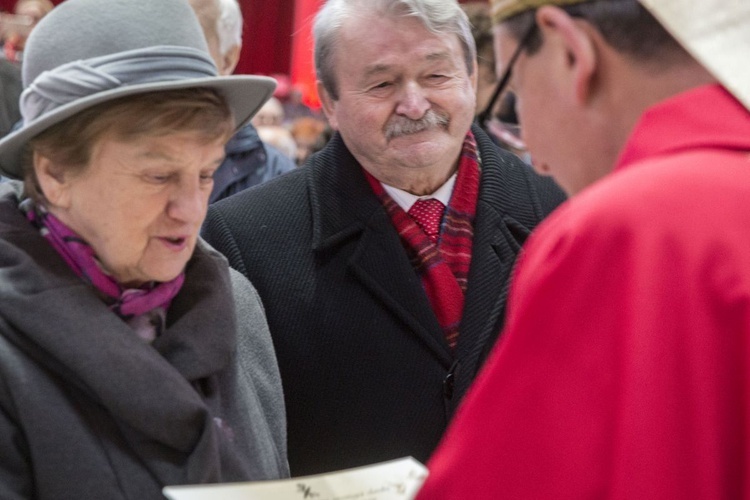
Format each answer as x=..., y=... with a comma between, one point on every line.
x=329, y=105
x=578, y=45
x=474, y=77
x=229, y=60
x=52, y=180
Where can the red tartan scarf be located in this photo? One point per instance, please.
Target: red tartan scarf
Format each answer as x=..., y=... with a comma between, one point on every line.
x=443, y=267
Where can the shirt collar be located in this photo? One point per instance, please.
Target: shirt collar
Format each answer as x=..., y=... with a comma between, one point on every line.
x=405, y=199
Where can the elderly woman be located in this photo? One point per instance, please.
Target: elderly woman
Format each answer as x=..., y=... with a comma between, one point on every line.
x=130, y=356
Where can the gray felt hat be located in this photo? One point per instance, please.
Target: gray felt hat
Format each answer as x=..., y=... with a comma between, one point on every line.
x=86, y=52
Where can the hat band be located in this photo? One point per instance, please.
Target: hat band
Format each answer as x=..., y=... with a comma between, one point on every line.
x=79, y=79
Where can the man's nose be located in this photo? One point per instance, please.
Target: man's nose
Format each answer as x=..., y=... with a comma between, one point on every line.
x=413, y=102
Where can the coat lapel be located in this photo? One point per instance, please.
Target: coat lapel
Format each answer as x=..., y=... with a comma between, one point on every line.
x=390, y=277
x=497, y=241
x=347, y=217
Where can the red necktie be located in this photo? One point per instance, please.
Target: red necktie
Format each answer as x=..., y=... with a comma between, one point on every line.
x=428, y=214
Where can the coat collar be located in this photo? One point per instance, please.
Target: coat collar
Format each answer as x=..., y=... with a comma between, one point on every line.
x=342, y=201
x=344, y=209
x=245, y=139
x=60, y=323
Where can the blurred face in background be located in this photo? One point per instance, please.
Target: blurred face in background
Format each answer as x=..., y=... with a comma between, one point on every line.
x=271, y=114
x=34, y=9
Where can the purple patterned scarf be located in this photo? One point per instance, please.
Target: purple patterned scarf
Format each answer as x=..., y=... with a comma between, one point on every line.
x=128, y=303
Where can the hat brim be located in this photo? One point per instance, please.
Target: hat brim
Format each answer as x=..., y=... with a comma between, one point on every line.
x=244, y=94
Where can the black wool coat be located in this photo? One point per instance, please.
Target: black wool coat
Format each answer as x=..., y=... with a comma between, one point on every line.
x=367, y=374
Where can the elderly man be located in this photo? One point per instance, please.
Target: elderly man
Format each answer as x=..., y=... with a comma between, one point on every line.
x=382, y=264
x=624, y=370
x=249, y=161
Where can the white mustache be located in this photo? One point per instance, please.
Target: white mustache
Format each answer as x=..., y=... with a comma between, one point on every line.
x=400, y=125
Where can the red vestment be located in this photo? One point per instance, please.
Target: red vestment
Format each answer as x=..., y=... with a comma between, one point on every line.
x=624, y=367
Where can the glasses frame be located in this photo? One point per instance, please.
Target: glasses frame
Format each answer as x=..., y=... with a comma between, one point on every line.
x=502, y=84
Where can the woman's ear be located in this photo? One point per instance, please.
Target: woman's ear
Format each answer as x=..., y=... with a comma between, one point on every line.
x=52, y=181
x=578, y=45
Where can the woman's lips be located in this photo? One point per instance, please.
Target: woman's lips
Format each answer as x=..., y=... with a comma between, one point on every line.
x=175, y=242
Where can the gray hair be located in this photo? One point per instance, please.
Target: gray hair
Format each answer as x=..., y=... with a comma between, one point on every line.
x=438, y=16
x=229, y=25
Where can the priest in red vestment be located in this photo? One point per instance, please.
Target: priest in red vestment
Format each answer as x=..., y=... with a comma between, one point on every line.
x=623, y=370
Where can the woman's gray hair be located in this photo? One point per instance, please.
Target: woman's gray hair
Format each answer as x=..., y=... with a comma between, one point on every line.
x=438, y=16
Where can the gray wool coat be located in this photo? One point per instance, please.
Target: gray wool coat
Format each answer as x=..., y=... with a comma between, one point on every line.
x=88, y=410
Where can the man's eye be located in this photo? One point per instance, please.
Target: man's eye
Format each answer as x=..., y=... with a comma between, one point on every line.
x=382, y=85
x=159, y=178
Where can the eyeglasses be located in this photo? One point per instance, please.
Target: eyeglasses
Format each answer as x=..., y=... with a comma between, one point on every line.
x=485, y=118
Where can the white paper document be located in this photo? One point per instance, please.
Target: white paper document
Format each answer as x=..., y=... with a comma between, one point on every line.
x=394, y=480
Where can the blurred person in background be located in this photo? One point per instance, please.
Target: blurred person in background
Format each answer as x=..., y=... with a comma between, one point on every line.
x=271, y=114
x=495, y=112
x=624, y=370
x=10, y=91
x=295, y=107
x=382, y=264
x=249, y=161
x=33, y=9
x=310, y=135
x=280, y=138
x=29, y=13
x=131, y=356
x=481, y=29
x=14, y=29
x=269, y=121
